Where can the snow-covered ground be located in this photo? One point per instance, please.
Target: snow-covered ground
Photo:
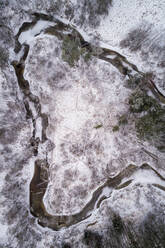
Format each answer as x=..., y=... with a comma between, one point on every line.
x=137, y=16
x=83, y=104
x=127, y=15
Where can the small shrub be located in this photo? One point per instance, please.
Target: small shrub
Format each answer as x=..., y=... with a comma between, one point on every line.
x=123, y=119
x=115, y=128
x=133, y=82
x=91, y=10
x=98, y=126
x=3, y=4
x=92, y=239
x=66, y=245
x=136, y=38
x=4, y=57
x=117, y=223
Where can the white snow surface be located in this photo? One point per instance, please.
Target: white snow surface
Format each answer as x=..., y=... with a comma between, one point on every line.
x=76, y=101
x=28, y=36
x=126, y=15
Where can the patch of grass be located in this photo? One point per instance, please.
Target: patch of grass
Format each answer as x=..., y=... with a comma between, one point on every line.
x=123, y=120
x=72, y=50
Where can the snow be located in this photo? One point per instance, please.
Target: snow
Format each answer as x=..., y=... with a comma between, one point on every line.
x=38, y=128
x=126, y=15
x=3, y=233
x=144, y=177
x=106, y=191
x=88, y=96
x=28, y=36
x=74, y=113
x=147, y=177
